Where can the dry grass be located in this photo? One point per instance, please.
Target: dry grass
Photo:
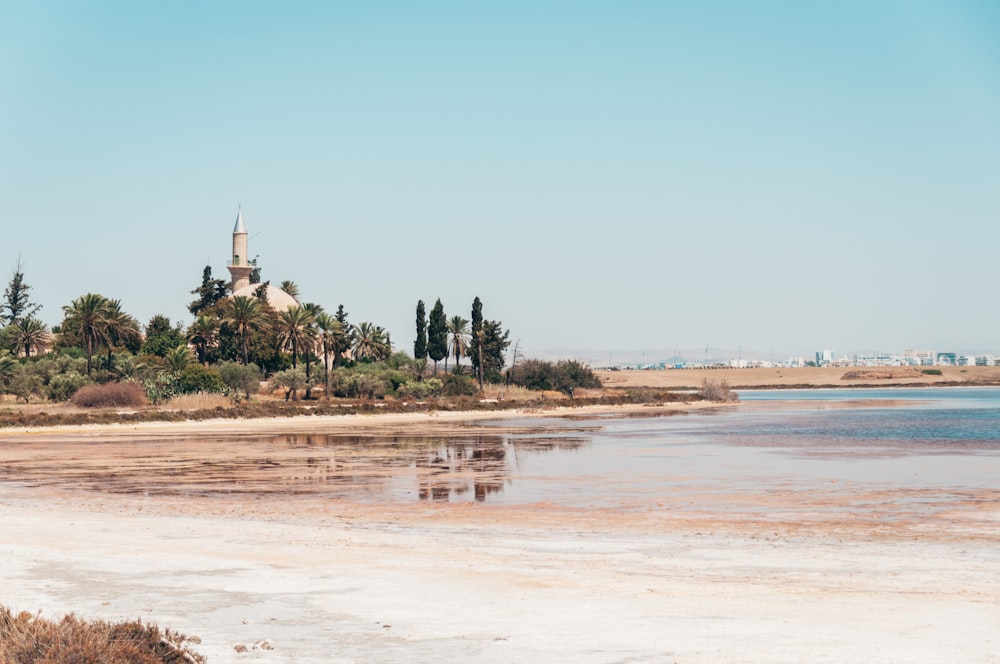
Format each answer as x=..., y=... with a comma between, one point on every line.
x=515, y=393
x=29, y=639
x=198, y=401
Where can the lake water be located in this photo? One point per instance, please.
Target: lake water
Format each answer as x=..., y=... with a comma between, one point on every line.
x=928, y=439
x=941, y=443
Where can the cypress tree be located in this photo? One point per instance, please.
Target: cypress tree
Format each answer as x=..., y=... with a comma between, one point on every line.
x=342, y=342
x=209, y=293
x=17, y=304
x=420, y=344
x=437, y=335
x=476, y=357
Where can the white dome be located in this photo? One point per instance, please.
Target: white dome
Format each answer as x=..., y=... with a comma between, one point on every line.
x=277, y=298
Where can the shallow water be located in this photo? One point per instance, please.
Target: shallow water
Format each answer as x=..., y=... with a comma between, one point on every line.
x=942, y=443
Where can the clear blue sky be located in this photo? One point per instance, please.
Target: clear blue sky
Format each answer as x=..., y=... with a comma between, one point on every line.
x=610, y=175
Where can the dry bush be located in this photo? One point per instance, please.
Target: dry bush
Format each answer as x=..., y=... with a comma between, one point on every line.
x=889, y=373
x=509, y=392
x=110, y=395
x=29, y=639
x=717, y=391
x=198, y=401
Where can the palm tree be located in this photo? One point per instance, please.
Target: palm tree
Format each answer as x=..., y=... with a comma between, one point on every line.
x=330, y=334
x=178, y=358
x=309, y=352
x=458, y=328
x=291, y=288
x=202, y=334
x=244, y=314
x=119, y=328
x=86, y=316
x=7, y=366
x=370, y=342
x=295, y=331
x=31, y=333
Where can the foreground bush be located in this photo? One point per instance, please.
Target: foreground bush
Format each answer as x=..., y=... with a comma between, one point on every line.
x=110, y=395
x=30, y=639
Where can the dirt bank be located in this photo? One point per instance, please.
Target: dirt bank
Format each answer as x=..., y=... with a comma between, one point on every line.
x=803, y=377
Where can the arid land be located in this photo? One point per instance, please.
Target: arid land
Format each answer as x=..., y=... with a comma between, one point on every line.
x=269, y=532
x=772, y=378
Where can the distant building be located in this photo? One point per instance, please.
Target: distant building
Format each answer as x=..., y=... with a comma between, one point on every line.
x=240, y=268
x=946, y=359
x=919, y=357
x=824, y=358
x=877, y=360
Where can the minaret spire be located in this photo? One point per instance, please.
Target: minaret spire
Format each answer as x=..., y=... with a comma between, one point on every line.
x=240, y=267
x=240, y=227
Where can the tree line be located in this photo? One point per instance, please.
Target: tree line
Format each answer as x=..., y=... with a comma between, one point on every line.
x=235, y=342
x=485, y=342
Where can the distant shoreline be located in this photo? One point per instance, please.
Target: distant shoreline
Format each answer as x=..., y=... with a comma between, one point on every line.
x=352, y=422
x=665, y=395
x=802, y=378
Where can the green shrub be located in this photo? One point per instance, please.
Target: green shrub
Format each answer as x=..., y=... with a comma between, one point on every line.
x=68, y=363
x=196, y=378
x=63, y=386
x=365, y=386
x=242, y=379
x=110, y=395
x=160, y=387
x=458, y=385
x=563, y=376
x=413, y=390
x=931, y=372
x=290, y=380
x=393, y=379
x=24, y=383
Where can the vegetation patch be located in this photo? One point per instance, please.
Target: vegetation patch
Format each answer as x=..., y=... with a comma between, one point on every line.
x=198, y=401
x=563, y=376
x=110, y=395
x=30, y=639
x=717, y=391
x=888, y=373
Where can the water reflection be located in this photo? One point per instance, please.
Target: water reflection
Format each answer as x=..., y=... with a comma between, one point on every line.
x=441, y=468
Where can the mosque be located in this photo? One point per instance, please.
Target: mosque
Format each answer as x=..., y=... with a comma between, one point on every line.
x=240, y=268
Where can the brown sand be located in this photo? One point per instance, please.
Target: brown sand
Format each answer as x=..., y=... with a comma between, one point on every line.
x=805, y=376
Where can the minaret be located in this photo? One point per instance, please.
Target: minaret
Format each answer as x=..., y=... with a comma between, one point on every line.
x=240, y=266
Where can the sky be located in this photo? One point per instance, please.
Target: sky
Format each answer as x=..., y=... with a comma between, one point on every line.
x=779, y=177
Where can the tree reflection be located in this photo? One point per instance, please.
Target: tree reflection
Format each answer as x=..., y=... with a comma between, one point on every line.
x=450, y=468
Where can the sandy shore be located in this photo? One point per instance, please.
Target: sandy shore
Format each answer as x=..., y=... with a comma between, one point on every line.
x=706, y=574
x=423, y=422
x=805, y=376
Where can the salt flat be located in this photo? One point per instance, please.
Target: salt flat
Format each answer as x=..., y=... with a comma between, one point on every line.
x=338, y=579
